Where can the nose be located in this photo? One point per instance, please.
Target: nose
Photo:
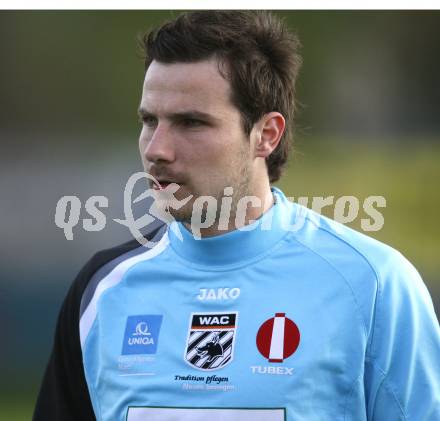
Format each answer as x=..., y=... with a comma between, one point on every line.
x=158, y=145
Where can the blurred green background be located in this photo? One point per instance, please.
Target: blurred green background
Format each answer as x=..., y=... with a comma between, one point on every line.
x=369, y=124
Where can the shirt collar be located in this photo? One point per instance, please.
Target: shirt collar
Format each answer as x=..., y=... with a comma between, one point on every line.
x=236, y=246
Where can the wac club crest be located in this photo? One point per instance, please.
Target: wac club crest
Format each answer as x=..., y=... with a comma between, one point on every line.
x=211, y=337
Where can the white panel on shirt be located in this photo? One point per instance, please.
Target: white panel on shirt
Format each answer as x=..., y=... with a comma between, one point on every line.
x=204, y=414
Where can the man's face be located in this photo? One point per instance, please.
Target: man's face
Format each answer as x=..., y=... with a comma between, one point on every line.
x=192, y=135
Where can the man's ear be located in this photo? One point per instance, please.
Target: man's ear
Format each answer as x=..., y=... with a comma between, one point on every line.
x=270, y=129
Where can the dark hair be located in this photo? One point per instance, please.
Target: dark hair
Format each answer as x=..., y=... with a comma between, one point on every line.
x=257, y=51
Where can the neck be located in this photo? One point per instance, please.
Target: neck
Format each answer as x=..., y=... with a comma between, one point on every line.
x=241, y=213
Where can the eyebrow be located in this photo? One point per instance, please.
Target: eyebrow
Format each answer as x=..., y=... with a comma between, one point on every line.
x=190, y=114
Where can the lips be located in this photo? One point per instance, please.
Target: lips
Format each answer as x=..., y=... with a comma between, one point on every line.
x=162, y=177
x=160, y=185
x=163, y=184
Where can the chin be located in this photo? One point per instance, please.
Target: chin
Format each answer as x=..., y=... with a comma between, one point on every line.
x=181, y=215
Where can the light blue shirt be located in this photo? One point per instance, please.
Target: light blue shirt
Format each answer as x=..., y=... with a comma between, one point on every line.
x=295, y=318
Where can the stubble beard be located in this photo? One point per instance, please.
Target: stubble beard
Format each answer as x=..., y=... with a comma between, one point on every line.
x=241, y=187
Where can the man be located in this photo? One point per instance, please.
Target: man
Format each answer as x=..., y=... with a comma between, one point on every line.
x=267, y=312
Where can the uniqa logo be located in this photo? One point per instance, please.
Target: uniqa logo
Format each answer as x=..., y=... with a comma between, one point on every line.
x=143, y=336
x=141, y=329
x=141, y=341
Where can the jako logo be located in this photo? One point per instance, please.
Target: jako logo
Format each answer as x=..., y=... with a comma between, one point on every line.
x=141, y=334
x=218, y=294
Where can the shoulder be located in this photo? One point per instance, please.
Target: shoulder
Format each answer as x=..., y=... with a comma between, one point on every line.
x=347, y=248
x=104, y=256
x=375, y=273
x=100, y=264
x=104, y=261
